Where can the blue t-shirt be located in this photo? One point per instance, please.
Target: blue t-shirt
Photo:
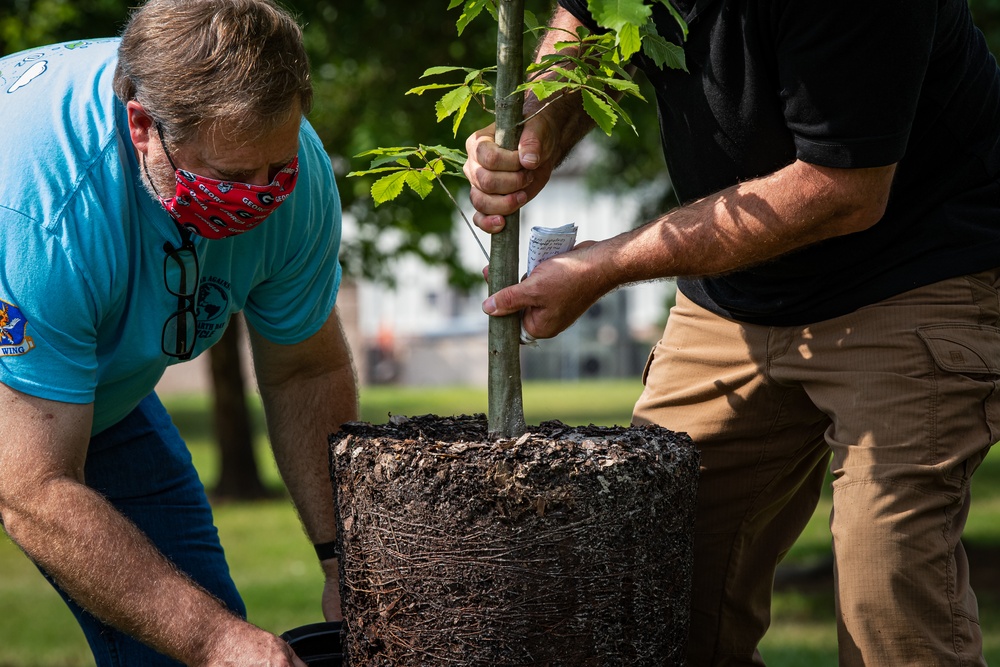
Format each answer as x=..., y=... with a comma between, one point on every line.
x=82, y=295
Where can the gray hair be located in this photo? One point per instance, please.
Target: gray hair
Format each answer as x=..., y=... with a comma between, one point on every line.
x=234, y=64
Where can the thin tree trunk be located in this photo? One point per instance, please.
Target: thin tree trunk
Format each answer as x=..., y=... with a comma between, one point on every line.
x=239, y=478
x=505, y=403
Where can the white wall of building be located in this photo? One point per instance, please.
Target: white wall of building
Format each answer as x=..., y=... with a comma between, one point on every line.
x=421, y=303
x=440, y=335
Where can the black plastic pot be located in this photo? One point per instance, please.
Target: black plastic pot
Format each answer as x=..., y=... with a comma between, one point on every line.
x=317, y=644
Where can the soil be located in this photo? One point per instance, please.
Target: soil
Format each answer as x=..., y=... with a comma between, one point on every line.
x=567, y=546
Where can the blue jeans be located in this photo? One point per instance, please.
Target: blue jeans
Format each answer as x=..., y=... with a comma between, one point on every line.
x=143, y=468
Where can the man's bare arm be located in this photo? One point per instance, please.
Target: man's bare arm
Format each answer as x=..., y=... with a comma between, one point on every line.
x=99, y=557
x=738, y=227
x=753, y=222
x=309, y=390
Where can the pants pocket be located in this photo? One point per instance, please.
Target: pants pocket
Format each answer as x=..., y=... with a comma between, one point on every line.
x=974, y=352
x=969, y=349
x=649, y=363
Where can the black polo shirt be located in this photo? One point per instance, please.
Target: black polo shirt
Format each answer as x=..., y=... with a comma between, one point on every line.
x=850, y=84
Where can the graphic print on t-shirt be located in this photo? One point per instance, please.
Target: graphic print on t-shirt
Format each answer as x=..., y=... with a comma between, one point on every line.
x=13, y=342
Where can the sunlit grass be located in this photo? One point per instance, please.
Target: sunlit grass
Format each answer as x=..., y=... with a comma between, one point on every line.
x=604, y=403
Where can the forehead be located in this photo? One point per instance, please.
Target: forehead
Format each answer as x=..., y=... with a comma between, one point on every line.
x=217, y=144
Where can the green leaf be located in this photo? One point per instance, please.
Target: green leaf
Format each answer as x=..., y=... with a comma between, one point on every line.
x=477, y=74
x=677, y=17
x=664, y=53
x=615, y=69
x=452, y=102
x=481, y=89
x=437, y=165
x=547, y=62
x=388, y=187
x=626, y=86
x=600, y=111
x=615, y=14
x=395, y=150
x=443, y=69
x=573, y=75
x=420, y=182
x=460, y=114
x=621, y=113
x=470, y=11
x=447, y=153
x=420, y=90
x=545, y=88
x=628, y=40
x=561, y=46
x=399, y=157
x=531, y=21
x=380, y=170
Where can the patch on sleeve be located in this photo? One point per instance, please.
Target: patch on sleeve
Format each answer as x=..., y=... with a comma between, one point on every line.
x=13, y=342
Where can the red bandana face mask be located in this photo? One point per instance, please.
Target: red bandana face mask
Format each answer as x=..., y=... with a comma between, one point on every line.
x=220, y=209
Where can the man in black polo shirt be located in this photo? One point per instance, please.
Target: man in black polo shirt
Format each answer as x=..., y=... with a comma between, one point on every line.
x=838, y=305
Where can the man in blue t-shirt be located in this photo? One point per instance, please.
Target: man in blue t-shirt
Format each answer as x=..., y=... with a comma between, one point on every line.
x=154, y=186
x=838, y=264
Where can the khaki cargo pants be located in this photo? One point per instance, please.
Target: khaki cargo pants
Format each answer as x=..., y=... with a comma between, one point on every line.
x=905, y=396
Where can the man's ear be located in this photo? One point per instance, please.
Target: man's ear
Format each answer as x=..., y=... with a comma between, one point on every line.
x=140, y=126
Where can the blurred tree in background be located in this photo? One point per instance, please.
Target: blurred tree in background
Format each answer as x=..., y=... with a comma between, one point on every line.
x=986, y=14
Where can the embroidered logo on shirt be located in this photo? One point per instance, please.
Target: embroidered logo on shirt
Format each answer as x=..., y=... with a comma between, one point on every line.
x=13, y=342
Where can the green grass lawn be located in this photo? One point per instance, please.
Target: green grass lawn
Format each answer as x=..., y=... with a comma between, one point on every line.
x=275, y=569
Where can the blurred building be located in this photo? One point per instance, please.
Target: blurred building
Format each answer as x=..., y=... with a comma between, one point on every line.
x=423, y=332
